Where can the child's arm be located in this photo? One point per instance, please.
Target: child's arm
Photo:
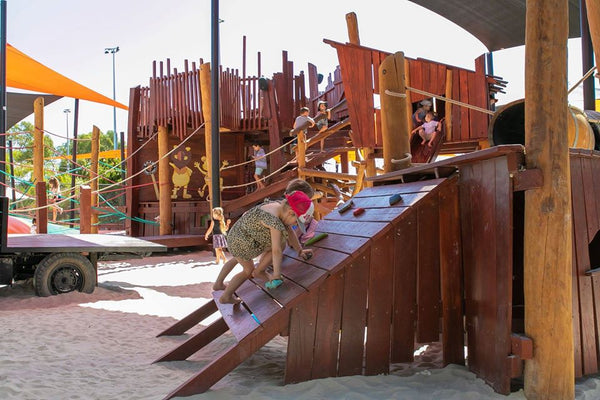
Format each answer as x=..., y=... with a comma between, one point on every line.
x=210, y=229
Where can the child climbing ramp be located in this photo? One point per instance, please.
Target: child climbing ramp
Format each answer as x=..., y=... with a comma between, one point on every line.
x=262, y=231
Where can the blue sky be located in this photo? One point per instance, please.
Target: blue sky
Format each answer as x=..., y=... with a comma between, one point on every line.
x=70, y=36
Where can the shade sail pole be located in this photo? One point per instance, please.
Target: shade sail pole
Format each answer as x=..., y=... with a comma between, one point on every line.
x=214, y=108
x=2, y=95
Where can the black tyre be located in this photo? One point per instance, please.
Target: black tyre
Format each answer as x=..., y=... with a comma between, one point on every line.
x=64, y=272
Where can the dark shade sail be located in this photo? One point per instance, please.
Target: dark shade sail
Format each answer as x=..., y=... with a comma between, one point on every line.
x=20, y=106
x=498, y=24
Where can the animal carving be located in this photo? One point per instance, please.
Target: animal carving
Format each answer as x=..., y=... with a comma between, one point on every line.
x=179, y=160
x=204, y=171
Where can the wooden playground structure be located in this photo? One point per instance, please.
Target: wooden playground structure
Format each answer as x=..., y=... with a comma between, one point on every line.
x=496, y=249
x=477, y=252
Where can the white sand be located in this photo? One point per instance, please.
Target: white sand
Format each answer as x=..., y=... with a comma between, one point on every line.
x=102, y=345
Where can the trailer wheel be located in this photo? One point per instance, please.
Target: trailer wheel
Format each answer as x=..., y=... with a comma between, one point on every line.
x=64, y=272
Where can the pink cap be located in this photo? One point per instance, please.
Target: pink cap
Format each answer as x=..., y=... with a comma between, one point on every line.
x=302, y=206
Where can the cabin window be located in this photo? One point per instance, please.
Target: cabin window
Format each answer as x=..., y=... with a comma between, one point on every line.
x=594, y=248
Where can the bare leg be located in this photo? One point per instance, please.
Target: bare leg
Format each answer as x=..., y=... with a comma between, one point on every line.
x=227, y=297
x=432, y=137
x=265, y=260
x=220, y=255
x=422, y=135
x=225, y=270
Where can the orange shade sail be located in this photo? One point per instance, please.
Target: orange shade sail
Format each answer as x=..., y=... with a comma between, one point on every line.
x=23, y=72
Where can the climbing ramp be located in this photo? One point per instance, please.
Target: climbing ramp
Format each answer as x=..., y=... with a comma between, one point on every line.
x=377, y=270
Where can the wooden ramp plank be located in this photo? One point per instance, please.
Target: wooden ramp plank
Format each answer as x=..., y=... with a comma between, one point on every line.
x=237, y=318
x=428, y=293
x=405, y=289
x=193, y=319
x=450, y=275
x=229, y=359
x=379, y=317
x=322, y=258
x=361, y=229
x=196, y=342
x=299, y=360
x=261, y=304
x=382, y=201
x=411, y=187
x=329, y=313
x=342, y=243
x=354, y=316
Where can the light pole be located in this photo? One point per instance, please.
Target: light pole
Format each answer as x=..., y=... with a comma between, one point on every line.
x=113, y=50
x=67, y=111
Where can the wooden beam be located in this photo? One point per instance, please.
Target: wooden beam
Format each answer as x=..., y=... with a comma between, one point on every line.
x=548, y=222
x=527, y=179
x=205, y=91
x=164, y=192
x=327, y=175
x=38, y=140
x=352, y=24
x=94, y=159
x=85, y=209
x=394, y=123
x=41, y=214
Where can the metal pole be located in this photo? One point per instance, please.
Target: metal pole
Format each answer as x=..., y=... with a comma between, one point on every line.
x=2, y=95
x=587, y=58
x=67, y=111
x=115, y=145
x=74, y=158
x=214, y=105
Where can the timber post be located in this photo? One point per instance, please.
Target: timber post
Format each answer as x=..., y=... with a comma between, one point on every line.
x=352, y=24
x=448, y=105
x=164, y=192
x=394, y=124
x=85, y=209
x=41, y=214
x=95, y=152
x=38, y=140
x=548, y=222
x=206, y=113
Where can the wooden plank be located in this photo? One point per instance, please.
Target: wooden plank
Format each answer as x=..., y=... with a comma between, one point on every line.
x=325, y=259
x=228, y=360
x=329, y=315
x=450, y=276
x=591, y=210
x=360, y=229
x=504, y=267
x=301, y=342
x=377, y=348
x=354, y=315
x=238, y=319
x=467, y=190
x=586, y=301
x=188, y=322
x=382, y=201
x=402, y=188
x=196, y=342
x=369, y=214
x=345, y=244
x=456, y=110
x=80, y=243
x=405, y=289
x=428, y=292
x=521, y=346
x=577, y=351
x=262, y=305
x=301, y=273
x=464, y=112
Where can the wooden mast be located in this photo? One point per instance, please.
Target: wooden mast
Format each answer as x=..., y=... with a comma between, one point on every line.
x=548, y=223
x=394, y=124
x=205, y=91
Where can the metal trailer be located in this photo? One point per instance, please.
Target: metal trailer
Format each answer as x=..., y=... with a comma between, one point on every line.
x=62, y=263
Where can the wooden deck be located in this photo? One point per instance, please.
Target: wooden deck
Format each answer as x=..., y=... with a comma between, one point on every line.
x=57, y=243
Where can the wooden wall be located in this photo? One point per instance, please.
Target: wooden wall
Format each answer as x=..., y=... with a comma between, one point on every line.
x=360, y=66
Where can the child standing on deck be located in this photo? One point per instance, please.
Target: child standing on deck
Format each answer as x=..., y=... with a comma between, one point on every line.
x=262, y=231
x=219, y=231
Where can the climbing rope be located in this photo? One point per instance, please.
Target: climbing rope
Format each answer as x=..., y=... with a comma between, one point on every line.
x=587, y=75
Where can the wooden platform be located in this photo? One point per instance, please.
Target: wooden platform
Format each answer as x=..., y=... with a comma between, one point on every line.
x=57, y=243
x=371, y=269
